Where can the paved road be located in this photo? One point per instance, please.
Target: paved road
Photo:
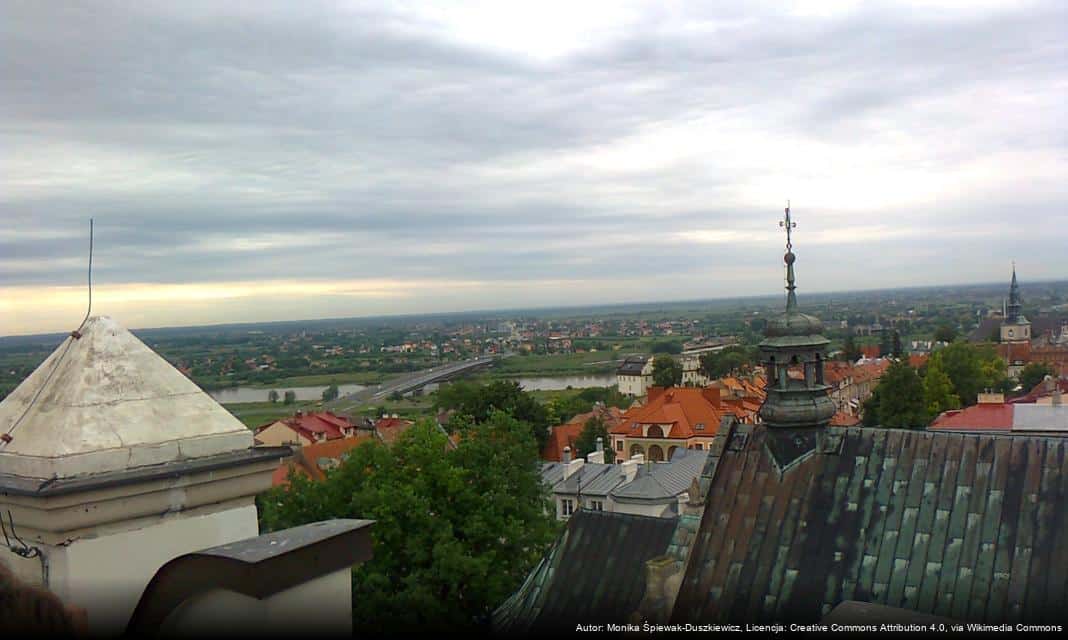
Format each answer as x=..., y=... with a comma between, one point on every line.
x=410, y=382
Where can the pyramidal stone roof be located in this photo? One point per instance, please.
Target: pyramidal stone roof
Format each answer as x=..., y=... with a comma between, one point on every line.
x=105, y=402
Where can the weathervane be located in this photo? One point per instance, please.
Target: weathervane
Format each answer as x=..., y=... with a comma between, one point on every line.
x=788, y=225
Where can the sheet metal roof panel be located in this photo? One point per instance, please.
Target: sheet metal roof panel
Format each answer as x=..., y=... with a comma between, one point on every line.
x=1040, y=418
x=965, y=525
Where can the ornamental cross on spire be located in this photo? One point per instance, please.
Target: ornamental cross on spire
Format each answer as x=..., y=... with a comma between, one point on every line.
x=788, y=225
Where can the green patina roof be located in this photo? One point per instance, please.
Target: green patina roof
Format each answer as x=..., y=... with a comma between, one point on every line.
x=594, y=573
x=968, y=527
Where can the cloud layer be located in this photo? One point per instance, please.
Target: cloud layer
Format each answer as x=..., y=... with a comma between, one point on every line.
x=266, y=156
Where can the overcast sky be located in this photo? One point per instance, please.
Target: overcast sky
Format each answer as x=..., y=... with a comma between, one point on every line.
x=269, y=161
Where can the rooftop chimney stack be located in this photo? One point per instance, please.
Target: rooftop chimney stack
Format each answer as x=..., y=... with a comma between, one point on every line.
x=629, y=470
x=567, y=455
x=597, y=457
x=571, y=467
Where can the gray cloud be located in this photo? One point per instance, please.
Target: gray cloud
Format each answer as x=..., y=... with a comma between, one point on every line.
x=304, y=141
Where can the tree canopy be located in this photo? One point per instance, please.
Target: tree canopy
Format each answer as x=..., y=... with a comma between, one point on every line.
x=898, y=400
x=971, y=369
x=478, y=402
x=666, y=372
x=331, y=392
x=667, y=346
x=717, y=364
x=587, y=440
x=938, y=392
x=1034, y=373
x=455, y=533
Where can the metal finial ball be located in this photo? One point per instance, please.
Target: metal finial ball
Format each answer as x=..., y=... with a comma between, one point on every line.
x=789, y=258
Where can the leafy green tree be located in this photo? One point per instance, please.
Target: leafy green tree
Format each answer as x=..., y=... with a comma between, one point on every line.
x=895, y=344
x=717, y=364
x=886, y=348
x=272, y=396
x=330, y=393
x=290, y=397
x=1034, y=373
x=945, y=333
x=850, y=350
x=666, y=346
x=666, y=372
x=971, y=368
x=478, y=402
x=898, y=400
x=455, y=533
x=587, y=440
x=938, y=393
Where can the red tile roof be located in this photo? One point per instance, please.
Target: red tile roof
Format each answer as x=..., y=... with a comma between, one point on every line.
x=869, y=351
x=1041, y=390
x=389, y=429
x=980, y=417
x=682, y=407
x=306, y=459
x=312, y=425
x=566, y=434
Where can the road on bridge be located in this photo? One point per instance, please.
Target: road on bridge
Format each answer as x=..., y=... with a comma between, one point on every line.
x=410, y=382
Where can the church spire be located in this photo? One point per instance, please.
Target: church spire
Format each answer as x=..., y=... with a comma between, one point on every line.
x=789, y=258
x=1014, y=306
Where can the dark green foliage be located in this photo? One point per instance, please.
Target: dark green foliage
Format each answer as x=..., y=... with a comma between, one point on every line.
x=666, y=372
x=587, y=440
x=1034, y=373
x=290, y=397
x=938, y=392
x=667, y=346
x=479, y=401
x=330, y=393
x=895, y=344
x=850, y=350
x=455, y=532
x=972, y=369
x=898, y=400
x=717, y=364
x=945, y=333
x=272, y=396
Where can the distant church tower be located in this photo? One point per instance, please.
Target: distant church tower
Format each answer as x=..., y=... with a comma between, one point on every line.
x=1015, y=328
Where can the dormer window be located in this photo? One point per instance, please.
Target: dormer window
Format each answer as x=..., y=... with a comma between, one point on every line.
x=700, y=426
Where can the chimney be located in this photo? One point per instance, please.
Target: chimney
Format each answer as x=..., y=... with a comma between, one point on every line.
x=572, y=467
x=600, y=443
x=638, y=458
x=628, y=470
x=395, y=415
x=596, y=457
x=567, y=455
x=990, y=397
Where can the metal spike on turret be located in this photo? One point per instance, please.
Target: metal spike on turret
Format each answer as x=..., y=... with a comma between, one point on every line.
x=794, y=341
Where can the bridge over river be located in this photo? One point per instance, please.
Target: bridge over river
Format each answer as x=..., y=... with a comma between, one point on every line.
x=411, y=382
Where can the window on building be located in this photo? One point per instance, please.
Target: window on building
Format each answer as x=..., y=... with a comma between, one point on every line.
x=567, y=507
x=619, y=445
x=699, y=446
x=700, y=426
x=654, y=431
x=597, y=505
